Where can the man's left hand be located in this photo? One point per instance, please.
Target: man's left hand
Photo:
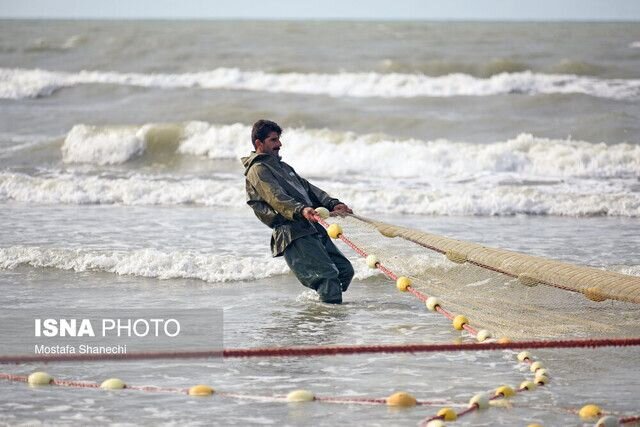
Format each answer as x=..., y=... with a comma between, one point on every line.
x=341, y=210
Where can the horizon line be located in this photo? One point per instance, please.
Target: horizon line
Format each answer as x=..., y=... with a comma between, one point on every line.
x=322, y=19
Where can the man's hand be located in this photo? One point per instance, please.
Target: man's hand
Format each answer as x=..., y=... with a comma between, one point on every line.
x=310, y=214
x=341, y=210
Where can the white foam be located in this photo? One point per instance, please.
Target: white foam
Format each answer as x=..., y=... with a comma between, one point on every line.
x=524, y=155
x=507, y=200
x=574, y=198
x=361, y=270
x=136, y=190
x=18, y=84
x=631, y=270
x=216, y=142
x=146, y=263
x=103, y=145
x=313, y=151
x=374, y=173
x=74, y=41
x=155, y=263
x=308, y=295
x=635, y=45
x=29, y=83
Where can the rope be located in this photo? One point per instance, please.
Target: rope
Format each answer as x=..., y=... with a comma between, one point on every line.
x=15, y=378
x=370, y=401
x=422, y=297
x=470, y=409
x=482, y=346
x=352, y=400
x=462, y=413
x=347, y=400
x=429, y=348
x=326, y=350
x=329, y=351
x=78, y=384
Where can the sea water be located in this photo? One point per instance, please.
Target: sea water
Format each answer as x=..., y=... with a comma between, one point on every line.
x=121, y=186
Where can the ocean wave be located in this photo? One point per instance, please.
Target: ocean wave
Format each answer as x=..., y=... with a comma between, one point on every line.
x=165, y=265
x=313, y=151
x=575, y=198
x=146, y=263
x=103, y=145
x=25, y=83
x=48, y=45
x=441, y=67
x=582, y=68
x=213, y=268
x=501, y=201
x=12, y=143
x=488, y=69
x=524, y=175
x=68, y=188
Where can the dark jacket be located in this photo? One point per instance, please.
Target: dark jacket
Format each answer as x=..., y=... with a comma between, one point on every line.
x=277, y=195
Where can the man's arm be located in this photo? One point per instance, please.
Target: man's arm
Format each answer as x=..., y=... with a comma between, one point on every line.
x=265, y=213
x=325, y=200
x=267, y=186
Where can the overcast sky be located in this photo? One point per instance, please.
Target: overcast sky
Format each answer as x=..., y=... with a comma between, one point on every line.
x=599, y=10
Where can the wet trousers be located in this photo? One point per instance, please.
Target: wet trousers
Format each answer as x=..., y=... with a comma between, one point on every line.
x=319, y=265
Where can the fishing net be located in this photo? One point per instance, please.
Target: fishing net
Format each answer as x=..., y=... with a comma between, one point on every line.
x=510, y=294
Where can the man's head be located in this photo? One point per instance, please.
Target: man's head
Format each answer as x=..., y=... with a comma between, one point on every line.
x=265, y=137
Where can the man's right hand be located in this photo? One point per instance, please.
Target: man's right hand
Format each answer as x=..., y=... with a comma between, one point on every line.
x=341, y=210
x=310, y=214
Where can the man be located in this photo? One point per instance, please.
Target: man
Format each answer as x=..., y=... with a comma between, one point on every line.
x=285, y=202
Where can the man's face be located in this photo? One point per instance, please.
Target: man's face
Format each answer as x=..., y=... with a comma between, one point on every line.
x=270, y=145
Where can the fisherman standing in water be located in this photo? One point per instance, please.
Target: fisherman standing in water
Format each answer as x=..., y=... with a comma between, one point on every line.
x=285, y=202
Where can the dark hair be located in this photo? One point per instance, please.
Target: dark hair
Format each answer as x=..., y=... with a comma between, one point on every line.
x=262, y=129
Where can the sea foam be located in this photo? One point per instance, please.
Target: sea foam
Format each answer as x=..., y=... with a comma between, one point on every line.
x=31, y=83
x=573, y=198
x=213, y=268
x=146, y=263
x=312, y=151
x=102, y=145
x=70, y=188
x=374, y=172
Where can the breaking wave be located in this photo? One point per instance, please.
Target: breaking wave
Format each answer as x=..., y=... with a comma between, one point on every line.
x=46, y=45
x=312, y=151
x=523, y=175
x=90, y=144
x=575, y=198
x=68, y=188
x=146, y=263
x=32, y=83
x=443, y=67
x=490, y=68
x=213, y=268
